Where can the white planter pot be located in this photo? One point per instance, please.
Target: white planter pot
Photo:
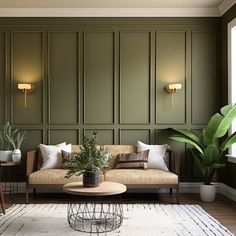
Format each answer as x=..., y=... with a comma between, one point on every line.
x=16, y=155
x=5, y=155
x=207, y=192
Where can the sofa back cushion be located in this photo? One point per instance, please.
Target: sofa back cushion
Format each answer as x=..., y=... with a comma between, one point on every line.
x=114, y=150
x=76, y=148
x=132, y=160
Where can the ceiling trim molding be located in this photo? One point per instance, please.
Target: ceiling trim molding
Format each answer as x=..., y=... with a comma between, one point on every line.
x=109, y=12
x=225, y=6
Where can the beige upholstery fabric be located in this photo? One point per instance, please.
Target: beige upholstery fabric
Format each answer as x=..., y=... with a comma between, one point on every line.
x=144, y=177
x=114, y=150
x=53, y=176
x=76, y=148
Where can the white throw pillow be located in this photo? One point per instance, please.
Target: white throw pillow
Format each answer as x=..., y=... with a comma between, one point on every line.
x=52, y=158
x=156, y=156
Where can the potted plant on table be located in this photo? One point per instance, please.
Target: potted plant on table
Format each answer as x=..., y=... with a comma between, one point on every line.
x=207, y=149
x=90, y=161
x=10, y=139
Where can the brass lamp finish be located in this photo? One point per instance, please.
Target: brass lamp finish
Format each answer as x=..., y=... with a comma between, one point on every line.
x=172, y=88
x=25, y=88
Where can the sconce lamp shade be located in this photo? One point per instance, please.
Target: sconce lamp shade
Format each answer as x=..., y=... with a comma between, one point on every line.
x=171, y=88
x=25, y=88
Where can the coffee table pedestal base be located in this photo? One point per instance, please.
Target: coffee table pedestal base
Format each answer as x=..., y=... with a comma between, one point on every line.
x=95, y=217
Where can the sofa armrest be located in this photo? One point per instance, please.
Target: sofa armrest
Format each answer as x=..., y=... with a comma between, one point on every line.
x=30, y=162
x=174, y=162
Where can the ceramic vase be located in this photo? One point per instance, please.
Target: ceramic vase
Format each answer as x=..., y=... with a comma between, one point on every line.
x=16, y=155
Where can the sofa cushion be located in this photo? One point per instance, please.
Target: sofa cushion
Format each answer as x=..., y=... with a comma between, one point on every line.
x=156, y=156
x=114, y=150
x=53, y=176
x=141, y=177
x=52, y=155
x=132, y=160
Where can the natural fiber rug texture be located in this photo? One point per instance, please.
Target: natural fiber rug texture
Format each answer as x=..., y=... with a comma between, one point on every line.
x=139, y=220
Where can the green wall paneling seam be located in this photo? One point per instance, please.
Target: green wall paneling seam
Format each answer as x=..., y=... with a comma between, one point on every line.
x=28, y=68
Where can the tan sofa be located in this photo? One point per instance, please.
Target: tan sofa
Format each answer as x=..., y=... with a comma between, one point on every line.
x=132, y=178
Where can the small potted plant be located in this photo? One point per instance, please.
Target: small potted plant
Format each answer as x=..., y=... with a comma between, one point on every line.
x=11, y=138
x=207, y=147
x=90, y=161
x=16, y=142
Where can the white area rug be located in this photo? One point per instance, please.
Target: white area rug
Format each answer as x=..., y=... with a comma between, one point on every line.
x=139, y=220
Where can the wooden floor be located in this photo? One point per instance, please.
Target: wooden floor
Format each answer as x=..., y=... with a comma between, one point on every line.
x=223, y=209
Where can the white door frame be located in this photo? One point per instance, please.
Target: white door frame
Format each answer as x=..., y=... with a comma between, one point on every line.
x=231, y=69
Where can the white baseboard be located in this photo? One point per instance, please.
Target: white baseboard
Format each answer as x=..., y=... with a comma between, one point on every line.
x=228, y=192
x=184, y=187
x=194, y=187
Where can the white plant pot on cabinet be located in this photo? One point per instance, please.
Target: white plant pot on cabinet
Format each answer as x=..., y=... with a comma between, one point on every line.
x=16, y=155
x=207, y=192
x=5, y=155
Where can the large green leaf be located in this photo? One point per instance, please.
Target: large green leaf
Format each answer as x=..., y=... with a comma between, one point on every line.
x=228, y=142
x=224, y=110
x=226, y=122
x=211, y=155
x=211, y=128
x=184, y=139
x=190, y=134
x=217, y=165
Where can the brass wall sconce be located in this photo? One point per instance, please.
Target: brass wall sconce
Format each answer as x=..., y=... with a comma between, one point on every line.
x=172, y=88
x=26, y=88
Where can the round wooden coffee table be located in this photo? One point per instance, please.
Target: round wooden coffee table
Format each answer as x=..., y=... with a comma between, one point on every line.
x=93, y=215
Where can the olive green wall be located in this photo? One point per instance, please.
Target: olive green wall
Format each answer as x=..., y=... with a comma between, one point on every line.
x=109, y=75
x=228, y=175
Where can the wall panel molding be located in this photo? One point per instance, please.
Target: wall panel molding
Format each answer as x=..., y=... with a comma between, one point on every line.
x=98, y=79
x=3, y=80
x=27, y=60
x=109, y=75
x=56, y=136
x=134, y=100
x=105, y=136
x=63, y=77
x=131, y=136
x=204, y=75
x=170, y=68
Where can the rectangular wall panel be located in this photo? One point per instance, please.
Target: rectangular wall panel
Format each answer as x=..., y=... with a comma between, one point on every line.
x=63, y=76
x=134, y=78
x=64, y=135
x=130, y=137
x=170, y=68
x=33, y=138
x=27, y=67
x=3, y=92
x=104, y=136
x=204, y=78
x=98, y=78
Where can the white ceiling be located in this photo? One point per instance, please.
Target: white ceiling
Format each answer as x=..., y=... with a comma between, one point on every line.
x=119, y=8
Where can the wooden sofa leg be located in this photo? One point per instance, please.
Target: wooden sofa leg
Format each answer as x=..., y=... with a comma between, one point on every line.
x=27, y=196
x=2, y=200
x=177, y=194
x=171, y=191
